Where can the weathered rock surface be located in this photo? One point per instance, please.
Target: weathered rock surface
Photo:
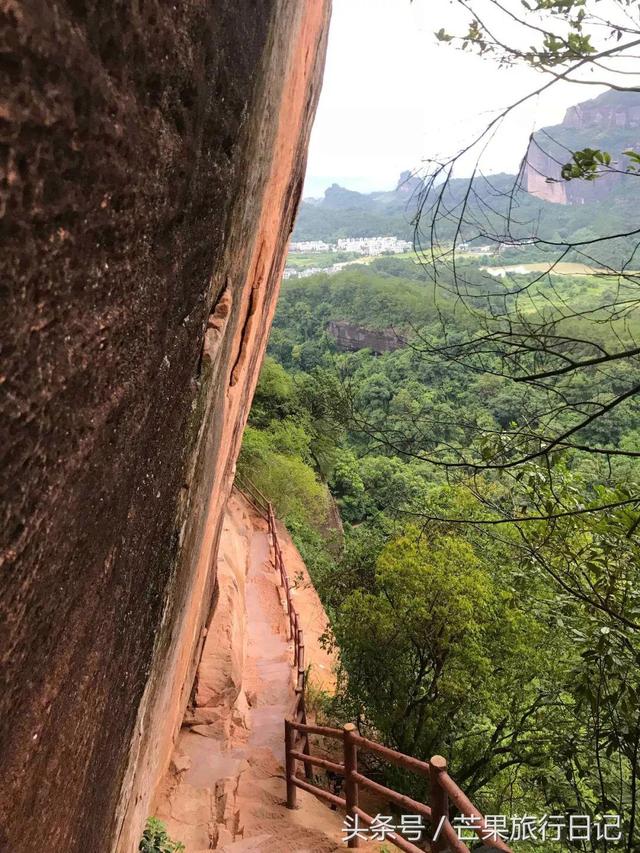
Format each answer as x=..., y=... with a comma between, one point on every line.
x=151, y=161
x=218, y=702
x=350, y=337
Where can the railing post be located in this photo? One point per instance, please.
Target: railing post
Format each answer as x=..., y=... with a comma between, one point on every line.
x=439, y=802
x=300, y=658
x=350, y=784
x=285, y=588
x=308, y=768
x=289, y=763
x=293, y=627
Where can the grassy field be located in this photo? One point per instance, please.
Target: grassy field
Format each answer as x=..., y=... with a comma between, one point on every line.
x=322, y=260
x=558, y=269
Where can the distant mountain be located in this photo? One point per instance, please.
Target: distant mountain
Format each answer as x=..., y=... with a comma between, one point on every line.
x=346, y=213
x=543, y=204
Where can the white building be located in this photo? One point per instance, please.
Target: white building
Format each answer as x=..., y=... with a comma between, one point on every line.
x=373, y=245
x=311, y=246
x=290, y=272
x=476, y=250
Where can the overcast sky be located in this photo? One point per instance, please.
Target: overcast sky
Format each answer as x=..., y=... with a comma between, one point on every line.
x=393, y=96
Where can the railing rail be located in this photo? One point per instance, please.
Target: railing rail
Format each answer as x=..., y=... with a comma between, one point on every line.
x=253, y=494
x=441, y=784
x=297, y=732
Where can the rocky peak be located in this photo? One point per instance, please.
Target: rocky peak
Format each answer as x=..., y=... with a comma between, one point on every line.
x=611, y=122
x=609, y=111
x=409, y=183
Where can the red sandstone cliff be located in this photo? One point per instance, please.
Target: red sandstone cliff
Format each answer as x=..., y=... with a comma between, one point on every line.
x=611, y=122
x=152, y=161
x=350, y=337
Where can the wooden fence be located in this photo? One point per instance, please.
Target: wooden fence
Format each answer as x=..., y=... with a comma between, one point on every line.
x=253, y=494
x=443, y=790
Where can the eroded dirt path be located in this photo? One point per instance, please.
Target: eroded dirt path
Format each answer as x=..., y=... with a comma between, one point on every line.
x=226, y=787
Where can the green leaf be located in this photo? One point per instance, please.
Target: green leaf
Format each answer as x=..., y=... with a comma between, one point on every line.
x=441, y=35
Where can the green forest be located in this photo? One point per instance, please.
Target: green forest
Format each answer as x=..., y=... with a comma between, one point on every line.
x=480, y=612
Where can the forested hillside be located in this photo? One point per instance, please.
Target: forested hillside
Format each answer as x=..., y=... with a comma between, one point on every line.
x=498, y=210
x=345, y=213
x=511, y=646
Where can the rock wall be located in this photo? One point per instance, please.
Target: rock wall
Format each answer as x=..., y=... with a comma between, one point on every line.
x=205, y=813
x=542, y=176
x=610, y=111
x=350, y=337
x=151, y=161
x=611, y=122
x=217, y=699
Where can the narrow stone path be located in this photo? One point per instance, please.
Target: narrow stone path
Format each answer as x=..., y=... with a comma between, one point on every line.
x=229, y=795
x=267, y=822
x=269, y=675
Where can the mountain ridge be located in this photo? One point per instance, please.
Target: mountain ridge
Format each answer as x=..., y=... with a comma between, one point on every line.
x=610, y=121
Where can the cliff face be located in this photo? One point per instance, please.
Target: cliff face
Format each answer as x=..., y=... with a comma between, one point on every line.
x=611, y=111
x=152, y=160
x=542, y=176
x=610, y=122
x=350, y=337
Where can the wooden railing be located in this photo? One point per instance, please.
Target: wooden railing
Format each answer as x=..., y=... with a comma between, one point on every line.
x=297, y=731
x=253, y=494
x=295, y=628
x=443, y=789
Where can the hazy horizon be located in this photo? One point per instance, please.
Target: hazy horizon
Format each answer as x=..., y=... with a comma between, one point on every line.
x=393, y=97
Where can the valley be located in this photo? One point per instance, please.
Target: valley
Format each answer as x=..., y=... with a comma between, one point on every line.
x=396, y=389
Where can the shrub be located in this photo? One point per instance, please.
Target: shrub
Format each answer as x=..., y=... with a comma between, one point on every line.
x=155, y=839
x=288, y=481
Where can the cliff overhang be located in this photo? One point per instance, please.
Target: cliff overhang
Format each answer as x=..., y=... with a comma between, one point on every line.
x=153, y=157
